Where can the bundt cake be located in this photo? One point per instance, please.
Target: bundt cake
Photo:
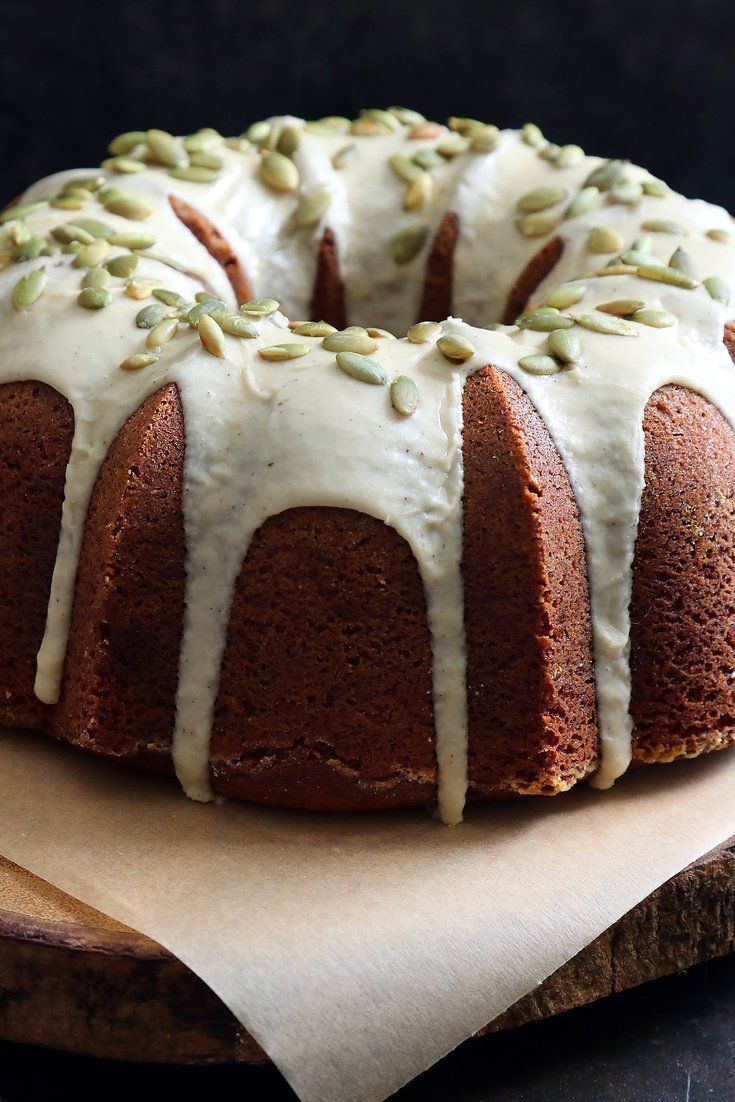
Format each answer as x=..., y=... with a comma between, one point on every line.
x=311, y=564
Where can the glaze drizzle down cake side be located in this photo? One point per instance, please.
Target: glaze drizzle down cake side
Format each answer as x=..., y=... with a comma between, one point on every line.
x=464, y=500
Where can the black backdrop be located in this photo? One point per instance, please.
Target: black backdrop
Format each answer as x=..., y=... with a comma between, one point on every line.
x=652, y=80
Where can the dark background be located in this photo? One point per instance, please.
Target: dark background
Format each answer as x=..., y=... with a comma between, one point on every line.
x=652, y=81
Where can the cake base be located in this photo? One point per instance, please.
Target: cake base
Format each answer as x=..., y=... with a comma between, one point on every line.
x=74, y=979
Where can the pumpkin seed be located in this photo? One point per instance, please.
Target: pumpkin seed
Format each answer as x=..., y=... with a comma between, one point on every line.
x=656, y=188
x=169, y=298
x=428, y=158
x=404, y=395
x=627, y=193
x=263, y=308
x=234, y=324
x=683, y=261
x=532, y=135
x=122, y=266
x=90, y=183
x=388, y=120
x=277, y=353
x=313, y=329
x=380, y=334
x=664, y=225
x=258, y=133
x=643, y=243
x=166, y=149
x=603, y=323
x=138, y=240
x=404, y=167
x=68, y=202
x=566, y=295
x=195, y=174
x=635, y=257
x=565, y=346
x=97, y=277
x=350, y=342
x=22, y=210
x=162, y=332
x=140, y=359
x=452, y=146
x=539, y=364
x=462, y=125
x=210, y=306
x=718, y=289
x=126, y=166
x=343, y=155
x=133, y=207
x=406, y=116
x=29, y=249
x=658, y=319
x=368, y=128
x=138, y=289
x=604, y=239
x=621, y=307
x=124, y=143
x=455, y=348
x=278, y=172
x=408, y=243
x=331, y=124
x=484, y=138
x=540, y=198
x=288, y=140
x=661, y=274
x=550, y=152
x=93, y=226
x=311, y=207
x=211, y=336
x=361, y=368
x=425, y=130
x=94, y=298
x=569, y=156
x=424, y=331
x=29, y=289
x=418, y=192
x=150, y=315
x=722, y=236
x=539, y=321
x=91, y=255
x=203, y=141
x=167, y=260
x=78, y=192
x=607, y=175
x=586, y=200
x=538, y=224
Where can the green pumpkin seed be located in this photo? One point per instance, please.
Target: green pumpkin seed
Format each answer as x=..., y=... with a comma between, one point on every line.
x=278, y=353
x=288, y=141
x=643, y=243
x=550, y=152
x=211, y=336
x=138, y=289
x=406, y=116
x=718, y=289
x=627, y=194
x=661, y=274
x=604, y=323
x=565, y=346
x=384, y=117
x=664, y=225
x=30, y=249
x=569, y=156
x=29, y=289
x=380, y=334
x=150, y=315
x=408, y=243
x=723, y=236
x=169, y=298
x=314, y=329
x=350, y=342
x=71, y=232
x=424, y=331
x=234, y=324
x=124, y=143
x=22, y=210
x=167, y=260
x=538, y=224
x=419, y=192
x=484, y=138
x=91, y=255
x=658, y=319
x=278, y=172
x=92, y=226
x=343, y=155
x=124, y=165
x=566, y=295
x=68, y=202
x=582, y=203
x=331, y=124
x=240, y=145
x=166, y=149
x=311, y=207
x=203, y=141
x=531, y=135
x=78, y=192
x=90, y=183
x=162, y=332
x=122, y=266
x=195, y=174
x=683, y=261
x=656, y=188
x=539, y=321
x=205, y=160
x=607, y=175
x=404, y=167
x=604, y=239
x=621, y=307
x=97, y=277
x=133, y=207
x=131, y=240
x=140, y=359
x=361, y=368
x=263, y=308
x=462, y=125
x=541, y=198
x=94, y=298
x=428, y=159
x=452, y=146
x=455, y=348
x=637, y=258
x=404, y=395
x=539, y=364
x=425, y=130
x=210, y=306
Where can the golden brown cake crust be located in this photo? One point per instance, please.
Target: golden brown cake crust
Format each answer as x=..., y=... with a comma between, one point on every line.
x=682, y=638
x=437, y=299
x=216, y=246
x=36, y=430
x=531, y=694
x=328, y=298
x=537, y=269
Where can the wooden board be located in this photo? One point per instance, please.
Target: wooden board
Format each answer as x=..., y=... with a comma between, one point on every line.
x=75, y=979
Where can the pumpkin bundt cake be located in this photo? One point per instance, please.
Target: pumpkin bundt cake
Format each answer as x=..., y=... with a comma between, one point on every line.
x=312, y=563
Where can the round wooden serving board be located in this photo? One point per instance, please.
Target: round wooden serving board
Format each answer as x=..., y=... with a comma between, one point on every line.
x=74, y=979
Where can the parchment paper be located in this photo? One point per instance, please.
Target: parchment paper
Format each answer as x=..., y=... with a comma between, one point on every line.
x=357, y=949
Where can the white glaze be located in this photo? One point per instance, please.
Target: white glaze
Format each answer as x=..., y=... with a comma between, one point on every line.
x=264, y=437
